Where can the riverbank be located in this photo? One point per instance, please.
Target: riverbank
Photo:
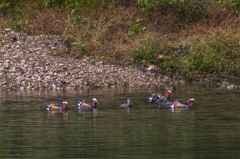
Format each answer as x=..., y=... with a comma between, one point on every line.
x=28, y=62
x=196, y=42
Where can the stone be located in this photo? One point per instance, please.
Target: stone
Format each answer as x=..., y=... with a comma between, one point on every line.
x=159, y=57
x=29, y=63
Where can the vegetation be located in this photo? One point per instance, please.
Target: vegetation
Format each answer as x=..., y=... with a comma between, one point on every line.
x=194, y=37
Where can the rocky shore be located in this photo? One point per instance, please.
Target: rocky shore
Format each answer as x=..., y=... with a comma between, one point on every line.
x=28, y=62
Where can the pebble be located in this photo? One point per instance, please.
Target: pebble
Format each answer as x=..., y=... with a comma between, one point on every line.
x=29, y=64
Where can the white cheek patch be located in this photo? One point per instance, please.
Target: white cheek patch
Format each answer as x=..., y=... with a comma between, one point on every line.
x=94, y=99
x=192, y=99
x=64, y=102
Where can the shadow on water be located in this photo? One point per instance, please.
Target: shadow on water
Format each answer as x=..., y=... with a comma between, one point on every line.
x=208, y=130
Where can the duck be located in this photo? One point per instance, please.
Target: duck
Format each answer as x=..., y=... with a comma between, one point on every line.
x=83, y=104
x=155, y=98
x=63, y=106
x=189, y=104
x=158, y=98
x=128, y=104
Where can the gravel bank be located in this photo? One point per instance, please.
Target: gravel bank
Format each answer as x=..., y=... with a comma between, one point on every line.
x=27, y=62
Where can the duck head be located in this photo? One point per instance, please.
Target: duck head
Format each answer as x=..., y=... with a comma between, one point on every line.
x=129, y=101
x=167, y=94
x=94, y=101
x=190, y=102
x=64, y=105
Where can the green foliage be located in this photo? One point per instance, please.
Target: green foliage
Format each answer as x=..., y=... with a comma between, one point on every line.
x=186, y=10
x=149, y=51
x=46, y=2
x=4, y=5
x=75, y=19
x=81, y=48
x=208, y=56
x=74, y=5
x=136, y=28
x=148, y=4
x=79, y=44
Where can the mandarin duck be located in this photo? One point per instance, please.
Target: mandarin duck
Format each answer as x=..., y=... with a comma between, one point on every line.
x=158, y=98
x=83, y=104
x=155, y=98
x=128, y=104
x=63, y=106
x=177, y=104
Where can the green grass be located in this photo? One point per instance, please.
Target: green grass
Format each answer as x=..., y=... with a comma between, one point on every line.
x=210, y=55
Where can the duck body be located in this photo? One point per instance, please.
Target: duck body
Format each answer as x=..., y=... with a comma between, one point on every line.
x=177, y=104
x=63, y=106
x=128, y=104
x=83, y=104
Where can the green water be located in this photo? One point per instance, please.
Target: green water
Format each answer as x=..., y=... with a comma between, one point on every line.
x=210, y=130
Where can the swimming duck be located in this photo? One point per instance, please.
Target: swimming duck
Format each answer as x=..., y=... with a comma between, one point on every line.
x=155, y=98
x=128, y=104
x=177, y=104
x=83, y=104
x=63, y=106
x=158, y=98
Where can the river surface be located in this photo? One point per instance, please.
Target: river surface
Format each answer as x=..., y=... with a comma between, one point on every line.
x=210, y=130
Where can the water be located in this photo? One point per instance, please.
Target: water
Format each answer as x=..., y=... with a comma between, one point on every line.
x=211, y=129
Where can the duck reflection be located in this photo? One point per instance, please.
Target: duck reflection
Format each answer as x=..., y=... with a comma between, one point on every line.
x=52, y=113
x=191, y=112
x=156, y=105
x=94, y=112
x=83, y=110
x=178, y=111
x=129, y=111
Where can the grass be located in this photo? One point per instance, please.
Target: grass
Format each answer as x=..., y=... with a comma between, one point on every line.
x=122, y=33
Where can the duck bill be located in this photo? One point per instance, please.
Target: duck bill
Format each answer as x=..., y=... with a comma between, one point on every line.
x=171, y=93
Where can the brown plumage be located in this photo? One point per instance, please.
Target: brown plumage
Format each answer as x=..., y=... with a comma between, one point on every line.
x=64, y=105
x=167, y=94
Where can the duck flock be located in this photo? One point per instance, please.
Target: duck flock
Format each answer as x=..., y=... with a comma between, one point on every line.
x=155, y=98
